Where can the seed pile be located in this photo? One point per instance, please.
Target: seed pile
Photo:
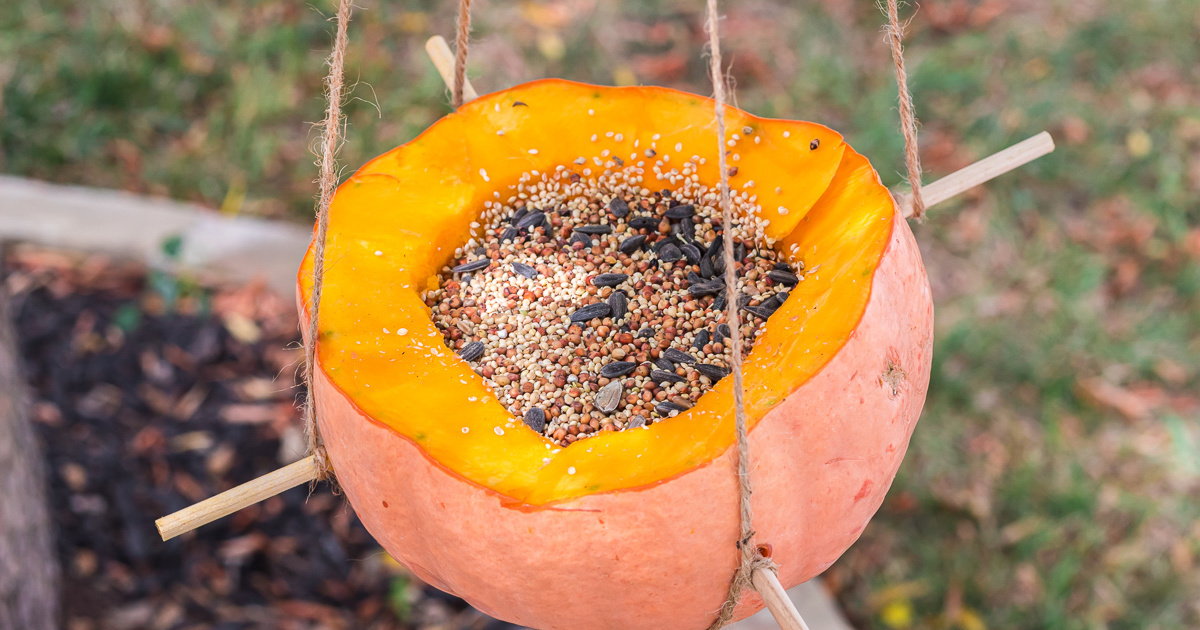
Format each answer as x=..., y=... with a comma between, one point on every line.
x=594, y=304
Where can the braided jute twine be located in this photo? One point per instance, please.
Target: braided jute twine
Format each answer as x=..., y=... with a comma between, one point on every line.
x=751, y=559
x=330, y=143
x=908, y=120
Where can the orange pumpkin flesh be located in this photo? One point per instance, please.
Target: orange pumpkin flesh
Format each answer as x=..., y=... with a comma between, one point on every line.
x=630, y=529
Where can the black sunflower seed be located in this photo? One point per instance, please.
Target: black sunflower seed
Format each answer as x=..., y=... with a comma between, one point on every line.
x=636, y=422
x=739, y=251
x=524, y=270
x=617, y=369
x=663, y=376
x=643, y=223
x=719, y=303
x=744, y=300
x=684, y=229
x=708, y=287
x=531, y=220
x=472, y=266
x=757, y=311
x=773, y=303
x=591, y=311
x=690, y=252
x=618, y=208
x=518, y=215
x=680, y=212
x=713, y=372
x=706, y=267
x=594, y=229
x=645, y=333
x=632, y=244
x=535, y=418
x=669, y=253
x=723, y=333
x=471, y=351
x=665, y=408
x=664, y=365
x=785, y=278
x=580, y=237
x=714, y=248
x=718, y=263
x=694, y=277
x=609, y=279
x=619, y=305
x=509, y=234
x=701, y=339
x=678, y=356
x=782, y=266
x=663, y=242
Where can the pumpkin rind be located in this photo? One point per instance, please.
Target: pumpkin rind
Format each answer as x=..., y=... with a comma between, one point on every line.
x=642, y=535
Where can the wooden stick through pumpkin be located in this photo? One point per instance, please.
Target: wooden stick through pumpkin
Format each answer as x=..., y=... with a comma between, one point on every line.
x=982, y=171
x=234, y=499
x=776, y=598
x=443, y=59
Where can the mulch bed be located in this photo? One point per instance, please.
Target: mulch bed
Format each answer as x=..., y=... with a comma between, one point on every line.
x=151, y=393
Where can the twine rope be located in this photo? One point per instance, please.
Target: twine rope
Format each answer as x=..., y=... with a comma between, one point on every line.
x=751, y=559
x=330, y=143
x=908, y=120
x=460, y=52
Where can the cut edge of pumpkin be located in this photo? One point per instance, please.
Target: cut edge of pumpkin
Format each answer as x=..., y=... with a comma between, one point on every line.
x=704, y=433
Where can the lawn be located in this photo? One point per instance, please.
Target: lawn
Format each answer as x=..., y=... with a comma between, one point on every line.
x=1054, y=479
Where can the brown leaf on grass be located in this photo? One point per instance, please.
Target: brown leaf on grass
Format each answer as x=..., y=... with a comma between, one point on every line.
x=248, y=413
x=237, y=550
x=260, y=388
x=1074, y=129
x=1133, y=404
x=302, y=609
x=1191, y=242
x=186, y=406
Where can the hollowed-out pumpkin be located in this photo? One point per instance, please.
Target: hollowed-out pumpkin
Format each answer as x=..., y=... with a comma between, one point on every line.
x=632, y=529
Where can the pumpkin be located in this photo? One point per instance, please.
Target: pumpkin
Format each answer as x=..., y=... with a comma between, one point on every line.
x=634, y=528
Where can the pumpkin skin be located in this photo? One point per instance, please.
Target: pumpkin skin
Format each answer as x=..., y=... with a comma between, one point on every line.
x=641, y=532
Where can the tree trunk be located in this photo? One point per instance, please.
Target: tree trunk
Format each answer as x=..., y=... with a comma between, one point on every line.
x=28, y=567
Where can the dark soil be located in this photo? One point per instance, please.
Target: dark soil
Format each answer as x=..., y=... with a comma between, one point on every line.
x=151, y=393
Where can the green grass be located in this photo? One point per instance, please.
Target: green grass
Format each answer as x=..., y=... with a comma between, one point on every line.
x=1020, y=504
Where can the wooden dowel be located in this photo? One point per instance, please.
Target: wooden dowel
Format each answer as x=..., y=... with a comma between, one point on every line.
x=234, y=499
x=443, y=59
x=984, y=170
x=777, y=600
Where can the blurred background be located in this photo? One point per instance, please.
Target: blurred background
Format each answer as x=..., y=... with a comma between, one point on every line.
x=1054, y=478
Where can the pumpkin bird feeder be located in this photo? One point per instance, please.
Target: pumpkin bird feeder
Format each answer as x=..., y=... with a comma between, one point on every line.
x=530, y=374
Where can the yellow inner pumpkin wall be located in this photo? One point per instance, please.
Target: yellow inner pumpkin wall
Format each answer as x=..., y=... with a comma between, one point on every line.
x=398, y=220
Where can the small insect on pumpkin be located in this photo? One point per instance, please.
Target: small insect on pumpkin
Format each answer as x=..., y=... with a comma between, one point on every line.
x=630, y=527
